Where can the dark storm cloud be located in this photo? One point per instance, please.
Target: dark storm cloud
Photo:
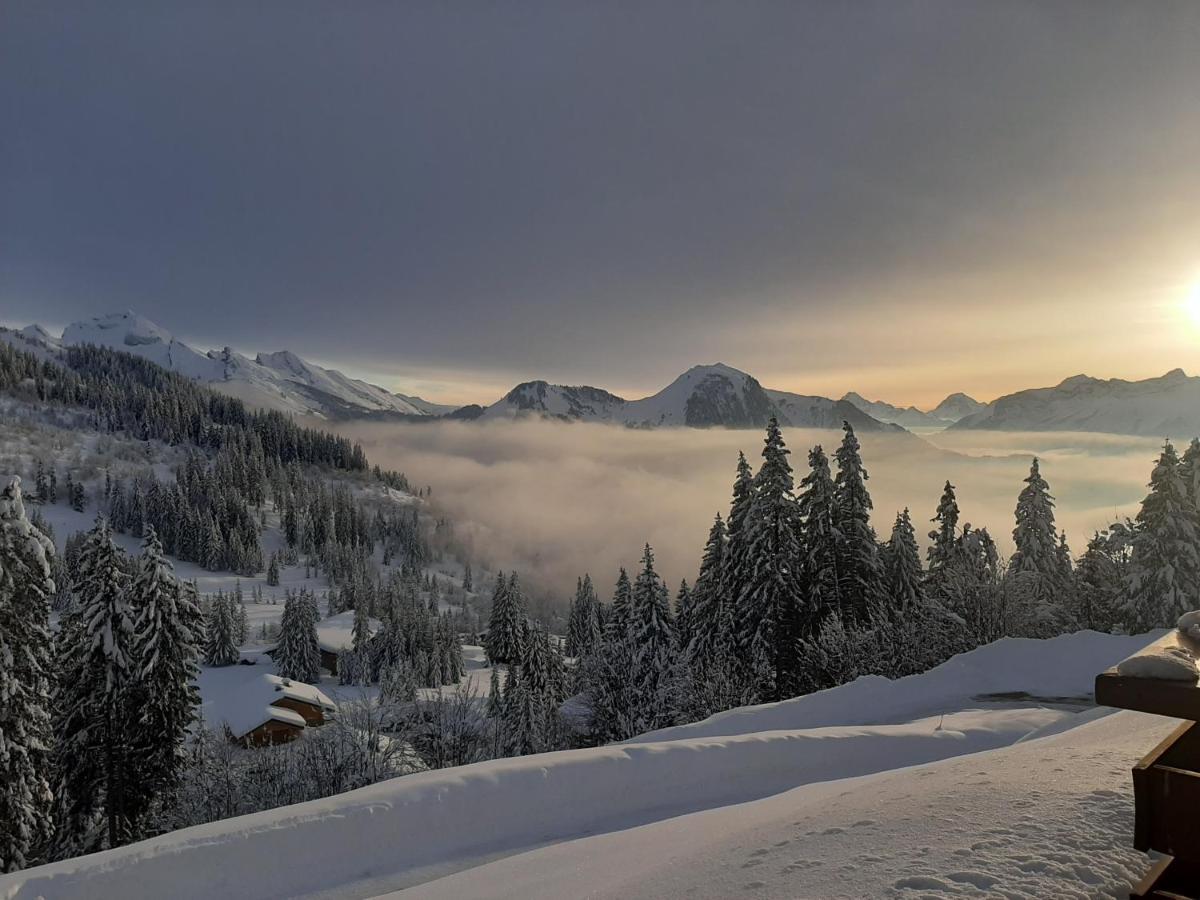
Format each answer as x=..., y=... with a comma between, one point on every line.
x=600, y=191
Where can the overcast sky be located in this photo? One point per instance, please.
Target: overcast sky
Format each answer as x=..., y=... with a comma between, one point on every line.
x=898, y=198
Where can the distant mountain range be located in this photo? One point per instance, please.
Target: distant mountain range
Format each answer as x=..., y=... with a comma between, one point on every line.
x=1167, y=406
x=704, y=396
x=945, y=414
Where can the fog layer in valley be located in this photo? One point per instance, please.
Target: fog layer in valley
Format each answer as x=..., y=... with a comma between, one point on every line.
x=554, y=500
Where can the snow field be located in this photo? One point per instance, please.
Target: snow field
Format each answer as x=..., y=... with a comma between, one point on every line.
x=422, y=828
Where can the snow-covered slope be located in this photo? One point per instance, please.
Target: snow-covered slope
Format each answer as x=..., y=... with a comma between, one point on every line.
x=670, y=813
x=1167, y=406
x=703, y=396
x=281, y=380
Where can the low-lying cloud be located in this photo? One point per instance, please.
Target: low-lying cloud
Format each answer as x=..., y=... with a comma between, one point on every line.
x=555, y=500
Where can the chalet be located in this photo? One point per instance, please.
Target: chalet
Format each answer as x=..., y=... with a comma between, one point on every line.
x=271, y=710
x=336, y=634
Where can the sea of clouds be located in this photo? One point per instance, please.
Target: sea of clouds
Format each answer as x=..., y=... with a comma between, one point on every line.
x=554, y=500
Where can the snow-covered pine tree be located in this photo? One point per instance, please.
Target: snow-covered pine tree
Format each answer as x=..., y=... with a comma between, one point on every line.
x=273, y=571
x=1189, y=472
x=1164, y=577
x=167, y=633
x=820, y=585
x=706, y=642
x=770, y=606
x=575, y=621
x=593, y=631
x=860, y=571
x=506, y=626
x=25, y=671
x=1100, y=578
x=652, y=640
x=1035, y=535
x=94, y=718
x=943, y=540
x=220, y=638
x=467, y=582
x=620, y=613
x=683, y=616
x=735, y=562
x=1036, y=569
x=298, y=655
x=902, y=569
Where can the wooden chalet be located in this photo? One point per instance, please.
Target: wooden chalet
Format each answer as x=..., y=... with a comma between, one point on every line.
x=271, y=710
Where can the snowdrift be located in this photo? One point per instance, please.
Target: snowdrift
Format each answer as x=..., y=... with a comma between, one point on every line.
x=420, y=827
x=1058, y=668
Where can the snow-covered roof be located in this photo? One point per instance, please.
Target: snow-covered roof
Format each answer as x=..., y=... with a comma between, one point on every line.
x=248, y=704
x=336, y=633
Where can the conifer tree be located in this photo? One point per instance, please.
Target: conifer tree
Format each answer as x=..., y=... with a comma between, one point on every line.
x=1189, y=472
x=860, y=571
x=735, y=563
x=467, y=581
x=769, y=608
x=1164, y=577
x=706, y=641
x=583, y=623
x=619, y=618
x=1101, y=576
x=683, y=615
x=506, y=626
x=220, y=643
x=1035, y=535
x=94, y=715
x=652, y=642
x=298, y=654
x=902, y=569
x=821, y=586
x=273, y=571
x=26, y=587
x=943, y=540
x=165, y=652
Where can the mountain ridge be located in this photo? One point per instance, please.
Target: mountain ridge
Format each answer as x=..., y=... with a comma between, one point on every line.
x=279, y=380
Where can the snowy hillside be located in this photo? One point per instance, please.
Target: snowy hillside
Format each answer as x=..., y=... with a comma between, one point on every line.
x=704, y=396
x=1167, y=406
x=281, y=380
x=988, y=773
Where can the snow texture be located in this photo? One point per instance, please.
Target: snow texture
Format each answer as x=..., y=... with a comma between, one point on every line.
x=1166, y=660
x=1189, y=624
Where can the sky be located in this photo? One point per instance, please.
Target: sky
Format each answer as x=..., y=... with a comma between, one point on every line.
x=898, y=198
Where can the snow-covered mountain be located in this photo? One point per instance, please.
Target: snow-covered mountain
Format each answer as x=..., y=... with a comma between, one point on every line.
x=703, y=396
x=280, y=380
x=908, y=416
x=945, y=414
x=957, y=406
x=1167, y=406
